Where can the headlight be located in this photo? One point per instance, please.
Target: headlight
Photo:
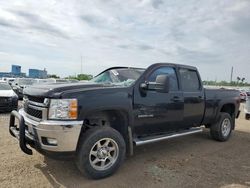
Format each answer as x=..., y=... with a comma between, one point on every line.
x=63, y=109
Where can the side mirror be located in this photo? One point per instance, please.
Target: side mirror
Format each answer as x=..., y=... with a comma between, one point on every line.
x=161, y=84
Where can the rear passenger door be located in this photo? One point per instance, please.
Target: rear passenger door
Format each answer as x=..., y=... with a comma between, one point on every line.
x=193, y=94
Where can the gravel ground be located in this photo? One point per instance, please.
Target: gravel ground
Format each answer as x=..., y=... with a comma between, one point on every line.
x=191, y=161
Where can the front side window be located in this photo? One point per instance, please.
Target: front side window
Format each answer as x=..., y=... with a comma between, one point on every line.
x=190, y=80
x=170, y=72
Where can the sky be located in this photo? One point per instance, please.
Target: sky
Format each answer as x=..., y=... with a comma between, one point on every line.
x=212, y=35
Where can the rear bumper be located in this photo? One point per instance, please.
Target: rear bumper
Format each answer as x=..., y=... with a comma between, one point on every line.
x=36, y=134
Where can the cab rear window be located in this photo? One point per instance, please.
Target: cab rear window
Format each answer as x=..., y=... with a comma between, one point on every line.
x=189, y=79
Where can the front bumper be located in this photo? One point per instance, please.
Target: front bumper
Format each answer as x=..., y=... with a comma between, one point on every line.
x=34, y=133
x=10, y=105
x=8, y=108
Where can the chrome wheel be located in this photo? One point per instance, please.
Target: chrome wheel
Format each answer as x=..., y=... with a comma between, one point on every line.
x=226, y=127
x=103, y=154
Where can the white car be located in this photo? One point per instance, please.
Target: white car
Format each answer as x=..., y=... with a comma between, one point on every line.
x=8, y=98
x=243, y=95
x=247, y=105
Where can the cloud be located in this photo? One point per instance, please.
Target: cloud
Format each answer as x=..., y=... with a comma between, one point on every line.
x=199, y=57
x=142, y=47
x=5, y=23
x=37, y=23
x=213, y=35
x=123, y=46
x=242, y=26
x=92, y=20
x=145, y=47
x=156, y=3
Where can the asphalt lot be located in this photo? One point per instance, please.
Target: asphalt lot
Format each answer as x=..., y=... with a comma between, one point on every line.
x=191, y=161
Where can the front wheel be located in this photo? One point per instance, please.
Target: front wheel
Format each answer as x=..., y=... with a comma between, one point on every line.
x=101, y=151
x=222, y=129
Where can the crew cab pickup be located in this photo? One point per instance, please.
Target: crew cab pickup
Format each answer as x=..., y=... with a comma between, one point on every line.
x=100, y=121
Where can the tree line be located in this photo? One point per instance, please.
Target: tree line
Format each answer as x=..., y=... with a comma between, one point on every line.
x=225, y=83
x=77, y=77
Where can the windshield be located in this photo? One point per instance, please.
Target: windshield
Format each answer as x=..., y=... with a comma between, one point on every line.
x=26, y=81
x=4, y=86
x=119, y=76
x=62, y=81
x=45, y=81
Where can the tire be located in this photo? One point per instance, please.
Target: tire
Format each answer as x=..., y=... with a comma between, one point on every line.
x=247, y=116
x=93, y=150
x=221, y=130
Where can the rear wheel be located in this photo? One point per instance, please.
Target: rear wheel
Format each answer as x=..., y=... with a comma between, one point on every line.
x=222, y=129
x=101, y=151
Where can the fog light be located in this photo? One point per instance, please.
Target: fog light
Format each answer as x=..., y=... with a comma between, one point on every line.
x=52, y=141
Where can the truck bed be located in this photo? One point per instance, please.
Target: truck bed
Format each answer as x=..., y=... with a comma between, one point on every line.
x=215, y=98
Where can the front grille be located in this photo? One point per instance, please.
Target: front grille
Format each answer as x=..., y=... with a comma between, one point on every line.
x=35, y=107
x=4, y=99
x=35, y=99
x=33, y=112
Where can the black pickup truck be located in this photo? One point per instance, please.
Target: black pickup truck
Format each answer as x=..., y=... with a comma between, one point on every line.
x=100, y=121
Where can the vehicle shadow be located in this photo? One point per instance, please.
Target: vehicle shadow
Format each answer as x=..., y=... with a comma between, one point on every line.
x=187, y=152
x=60, y=173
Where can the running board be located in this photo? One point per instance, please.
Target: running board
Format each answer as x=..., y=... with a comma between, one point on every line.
x=143, y=141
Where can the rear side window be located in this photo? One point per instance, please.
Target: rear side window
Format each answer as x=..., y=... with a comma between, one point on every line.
x=170, y=71
x=190, y=80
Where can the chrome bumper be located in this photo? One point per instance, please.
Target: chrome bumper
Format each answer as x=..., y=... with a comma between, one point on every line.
x=66, y=133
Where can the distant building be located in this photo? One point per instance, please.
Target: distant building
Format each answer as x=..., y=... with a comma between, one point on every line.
x=5, y=74
x=35, y=73
x=15, y=72
x=16, y=69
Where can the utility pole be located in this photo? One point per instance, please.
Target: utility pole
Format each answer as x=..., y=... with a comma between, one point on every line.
x=81, y=64
x=231, y=78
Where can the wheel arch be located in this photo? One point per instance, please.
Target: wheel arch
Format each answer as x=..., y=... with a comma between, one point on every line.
x=119, y=119
x=230, y=109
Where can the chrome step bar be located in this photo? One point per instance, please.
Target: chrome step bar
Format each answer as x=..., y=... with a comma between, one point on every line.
x=139, y=142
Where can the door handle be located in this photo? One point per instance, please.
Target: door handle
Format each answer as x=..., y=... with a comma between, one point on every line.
x=175, y=99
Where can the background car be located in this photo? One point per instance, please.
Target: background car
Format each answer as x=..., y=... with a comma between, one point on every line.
x=8, y=80
x=248, y=93
x=243, y=95
x=21, y=83
x=8, y=98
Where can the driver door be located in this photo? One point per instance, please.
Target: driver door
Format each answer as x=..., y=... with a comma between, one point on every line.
x=157, y=112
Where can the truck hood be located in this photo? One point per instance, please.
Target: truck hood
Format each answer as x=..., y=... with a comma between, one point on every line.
x=56, y=90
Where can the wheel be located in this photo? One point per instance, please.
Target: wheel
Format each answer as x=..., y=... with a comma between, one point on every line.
x=222, y=129
x=101, y=151
x=247, y=116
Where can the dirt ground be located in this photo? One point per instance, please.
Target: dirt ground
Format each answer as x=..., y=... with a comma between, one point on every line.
x=191, y=161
